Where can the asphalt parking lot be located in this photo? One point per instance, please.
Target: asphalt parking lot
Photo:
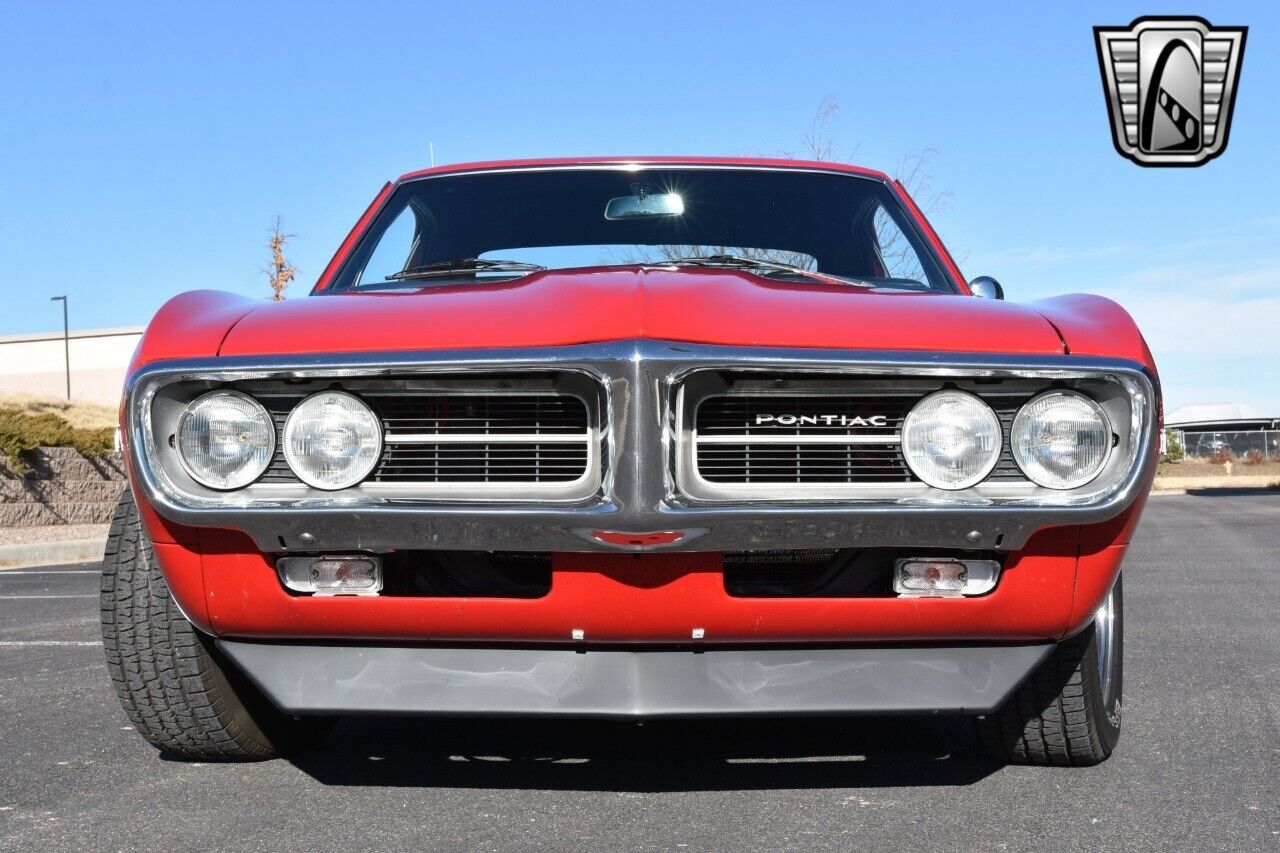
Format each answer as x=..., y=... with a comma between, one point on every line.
x=1198, y=766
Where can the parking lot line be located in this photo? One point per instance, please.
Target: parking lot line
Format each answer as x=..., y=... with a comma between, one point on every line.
x=13, y=597
x=7, y=572
x=8, y=643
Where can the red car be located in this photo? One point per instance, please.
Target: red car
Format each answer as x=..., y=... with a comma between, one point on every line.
x=630, y=438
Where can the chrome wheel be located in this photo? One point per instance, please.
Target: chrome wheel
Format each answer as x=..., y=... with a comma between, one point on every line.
x=1104, y=637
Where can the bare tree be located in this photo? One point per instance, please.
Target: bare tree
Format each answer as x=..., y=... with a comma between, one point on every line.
x=279, y=271
x=915, y=173
x=817, y=141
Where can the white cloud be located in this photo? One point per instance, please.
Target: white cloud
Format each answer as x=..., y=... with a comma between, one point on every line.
x=1213, y=325
x=1049, y=255
x=1207, y=280
x=1215, y=332
x=1205, y=309
x=1259, y=230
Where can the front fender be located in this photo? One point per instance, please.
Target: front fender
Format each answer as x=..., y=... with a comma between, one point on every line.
x=1095, y=325
x=191, y=325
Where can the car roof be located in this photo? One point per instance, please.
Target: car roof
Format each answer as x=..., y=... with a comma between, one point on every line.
x=552, y=162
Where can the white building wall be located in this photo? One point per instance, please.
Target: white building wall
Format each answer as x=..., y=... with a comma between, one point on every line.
x=36, y=364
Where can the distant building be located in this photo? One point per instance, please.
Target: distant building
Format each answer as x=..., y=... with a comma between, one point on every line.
x=37, y=364
x=1232, y=426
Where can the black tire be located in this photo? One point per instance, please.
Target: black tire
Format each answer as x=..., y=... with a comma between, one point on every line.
x=180, y=693
x=1066, y=714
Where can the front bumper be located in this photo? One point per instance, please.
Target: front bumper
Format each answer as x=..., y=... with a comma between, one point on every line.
x=639, y=506
x=1046, y=592
x=617, y=683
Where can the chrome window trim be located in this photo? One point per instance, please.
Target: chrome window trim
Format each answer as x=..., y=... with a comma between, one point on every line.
x=637, y=490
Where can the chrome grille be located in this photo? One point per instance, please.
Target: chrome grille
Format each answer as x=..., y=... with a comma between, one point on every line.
x=827, y=439
x=830, y=446
x=799, y=463
x=787, y=437
x=523, y=462
x=469, y=439
x=739, y=414
x=474, y=438
x=488, y=414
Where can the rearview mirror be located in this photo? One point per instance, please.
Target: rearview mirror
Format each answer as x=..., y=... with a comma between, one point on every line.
x=644, y=205
x=986, y=287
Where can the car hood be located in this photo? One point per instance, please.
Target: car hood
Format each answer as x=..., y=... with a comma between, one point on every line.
x=709, y=306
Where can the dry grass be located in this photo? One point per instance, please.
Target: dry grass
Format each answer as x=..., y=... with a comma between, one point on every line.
x=28, y=424
x=76, y=413
x=1202, y=468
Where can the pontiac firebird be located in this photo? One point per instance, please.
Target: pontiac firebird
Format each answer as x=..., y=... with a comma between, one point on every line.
x=630, y=438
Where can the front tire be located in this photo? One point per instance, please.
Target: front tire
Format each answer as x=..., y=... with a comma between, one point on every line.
x=1067, y=713
x=179, y=691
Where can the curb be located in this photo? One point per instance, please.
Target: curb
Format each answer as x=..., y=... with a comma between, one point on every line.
x=51, y=553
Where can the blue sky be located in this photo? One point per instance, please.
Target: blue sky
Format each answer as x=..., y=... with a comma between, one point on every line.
x=147, y=148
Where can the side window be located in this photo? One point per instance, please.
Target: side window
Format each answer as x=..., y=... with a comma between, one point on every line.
x=394, y=249
x=897, y=255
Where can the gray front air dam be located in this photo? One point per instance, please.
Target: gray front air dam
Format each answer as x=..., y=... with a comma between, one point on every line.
x=632, y=684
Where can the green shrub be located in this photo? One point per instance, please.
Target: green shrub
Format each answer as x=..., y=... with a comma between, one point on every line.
x=21, y=432
x=1173, y=451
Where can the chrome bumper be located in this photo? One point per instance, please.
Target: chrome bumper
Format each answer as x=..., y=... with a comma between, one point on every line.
x=638, y=506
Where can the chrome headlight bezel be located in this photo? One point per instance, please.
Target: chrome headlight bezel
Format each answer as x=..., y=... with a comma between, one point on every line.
x=250, y=474
x=1027, y=464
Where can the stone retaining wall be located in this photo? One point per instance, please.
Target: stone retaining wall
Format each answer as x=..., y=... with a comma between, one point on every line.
x=63, y=487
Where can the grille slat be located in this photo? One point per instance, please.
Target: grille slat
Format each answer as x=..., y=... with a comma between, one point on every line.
x=546, y=463
x=489, y=413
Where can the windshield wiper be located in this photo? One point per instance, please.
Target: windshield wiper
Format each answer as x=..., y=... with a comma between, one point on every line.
x=463, y=265
x=739, y=262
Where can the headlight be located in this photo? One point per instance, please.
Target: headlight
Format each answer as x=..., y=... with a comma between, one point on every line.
x=1061, y=439
x=332, y=440
x=951, y=440
x=225, y=440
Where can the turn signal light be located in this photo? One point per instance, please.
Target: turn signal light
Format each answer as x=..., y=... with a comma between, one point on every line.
x=944, y=577
x=357, y=575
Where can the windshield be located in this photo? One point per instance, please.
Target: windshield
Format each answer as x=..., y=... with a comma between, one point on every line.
x=785, y=224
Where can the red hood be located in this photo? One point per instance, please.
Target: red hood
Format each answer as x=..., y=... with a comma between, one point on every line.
x=600, y=304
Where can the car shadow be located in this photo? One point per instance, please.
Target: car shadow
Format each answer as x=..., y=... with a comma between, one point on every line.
x=1235, y=492
x=657, y=756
